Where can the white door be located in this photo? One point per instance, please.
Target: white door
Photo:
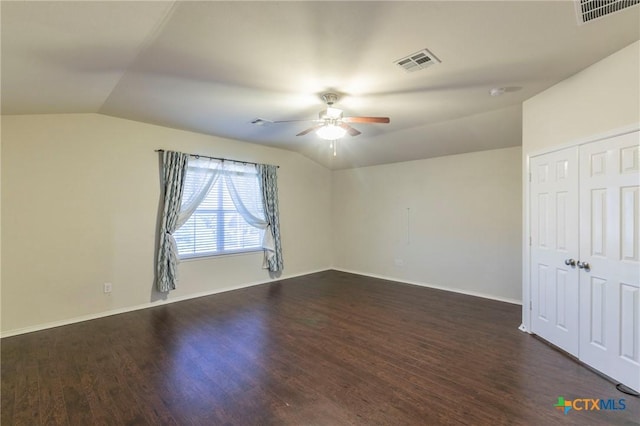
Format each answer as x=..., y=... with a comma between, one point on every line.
x=554, y=248
x=609, y=245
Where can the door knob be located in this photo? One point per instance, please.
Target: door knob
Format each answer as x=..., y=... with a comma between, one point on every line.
x=570, y=262
x=583, y=265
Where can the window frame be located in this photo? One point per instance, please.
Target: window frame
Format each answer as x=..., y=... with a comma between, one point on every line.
x=220, y=220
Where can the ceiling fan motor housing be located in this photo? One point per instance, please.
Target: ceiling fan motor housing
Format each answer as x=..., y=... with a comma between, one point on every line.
x=330, y=98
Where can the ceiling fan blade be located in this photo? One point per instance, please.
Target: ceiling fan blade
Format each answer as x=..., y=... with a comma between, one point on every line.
x=366, y=119
x=310, y=129
x=350, y=130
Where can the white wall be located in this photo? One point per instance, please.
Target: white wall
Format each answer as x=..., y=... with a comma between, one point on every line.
x=463, y=232
x=80, y=195
x=600, y=98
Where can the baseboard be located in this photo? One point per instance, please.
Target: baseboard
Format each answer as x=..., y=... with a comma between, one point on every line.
x=422, y=284
x=109, y=313
x=89, y=317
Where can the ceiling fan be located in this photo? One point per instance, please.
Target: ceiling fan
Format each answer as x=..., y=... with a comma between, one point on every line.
x=331, y=124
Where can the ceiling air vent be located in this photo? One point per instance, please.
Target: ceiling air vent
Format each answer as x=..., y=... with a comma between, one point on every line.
x=417, y=61
x=589, y=10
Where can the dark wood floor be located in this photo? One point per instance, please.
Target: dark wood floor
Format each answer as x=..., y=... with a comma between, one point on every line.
x=325, y=349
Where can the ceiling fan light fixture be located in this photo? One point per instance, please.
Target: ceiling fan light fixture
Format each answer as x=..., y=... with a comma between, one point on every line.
x=331, y=132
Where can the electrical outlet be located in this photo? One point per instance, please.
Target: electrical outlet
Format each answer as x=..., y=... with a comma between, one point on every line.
x=107, y=287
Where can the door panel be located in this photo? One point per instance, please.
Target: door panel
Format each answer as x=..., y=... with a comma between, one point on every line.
x=609, y=238
x=630, y=322
x=629, y=227
x=598, y=221
x=554, y=239
x=597, y=329
x=561, y=299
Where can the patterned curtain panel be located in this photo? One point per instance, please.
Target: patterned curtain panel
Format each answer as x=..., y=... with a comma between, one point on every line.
x=269, y=184
x=174, y=166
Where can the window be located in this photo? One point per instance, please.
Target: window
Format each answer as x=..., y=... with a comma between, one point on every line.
x=217, y=226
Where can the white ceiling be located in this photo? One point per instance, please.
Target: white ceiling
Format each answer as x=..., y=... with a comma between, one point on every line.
x=213, y=67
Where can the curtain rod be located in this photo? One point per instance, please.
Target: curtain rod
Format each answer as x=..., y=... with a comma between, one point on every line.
x=217, y=158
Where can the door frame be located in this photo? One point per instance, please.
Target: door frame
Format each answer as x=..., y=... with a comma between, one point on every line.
x=525, y=326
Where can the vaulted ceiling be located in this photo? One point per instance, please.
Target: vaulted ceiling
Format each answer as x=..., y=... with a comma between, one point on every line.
x=213, y=67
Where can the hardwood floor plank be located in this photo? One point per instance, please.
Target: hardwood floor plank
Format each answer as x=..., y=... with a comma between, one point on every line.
x=8, y=389
x=329, y=348
x=27, y=404
x=53, y=410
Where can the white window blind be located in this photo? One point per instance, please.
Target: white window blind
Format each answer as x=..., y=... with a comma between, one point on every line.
x=216, y=227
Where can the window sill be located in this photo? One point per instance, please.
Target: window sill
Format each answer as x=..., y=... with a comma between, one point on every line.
x=219, y=255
